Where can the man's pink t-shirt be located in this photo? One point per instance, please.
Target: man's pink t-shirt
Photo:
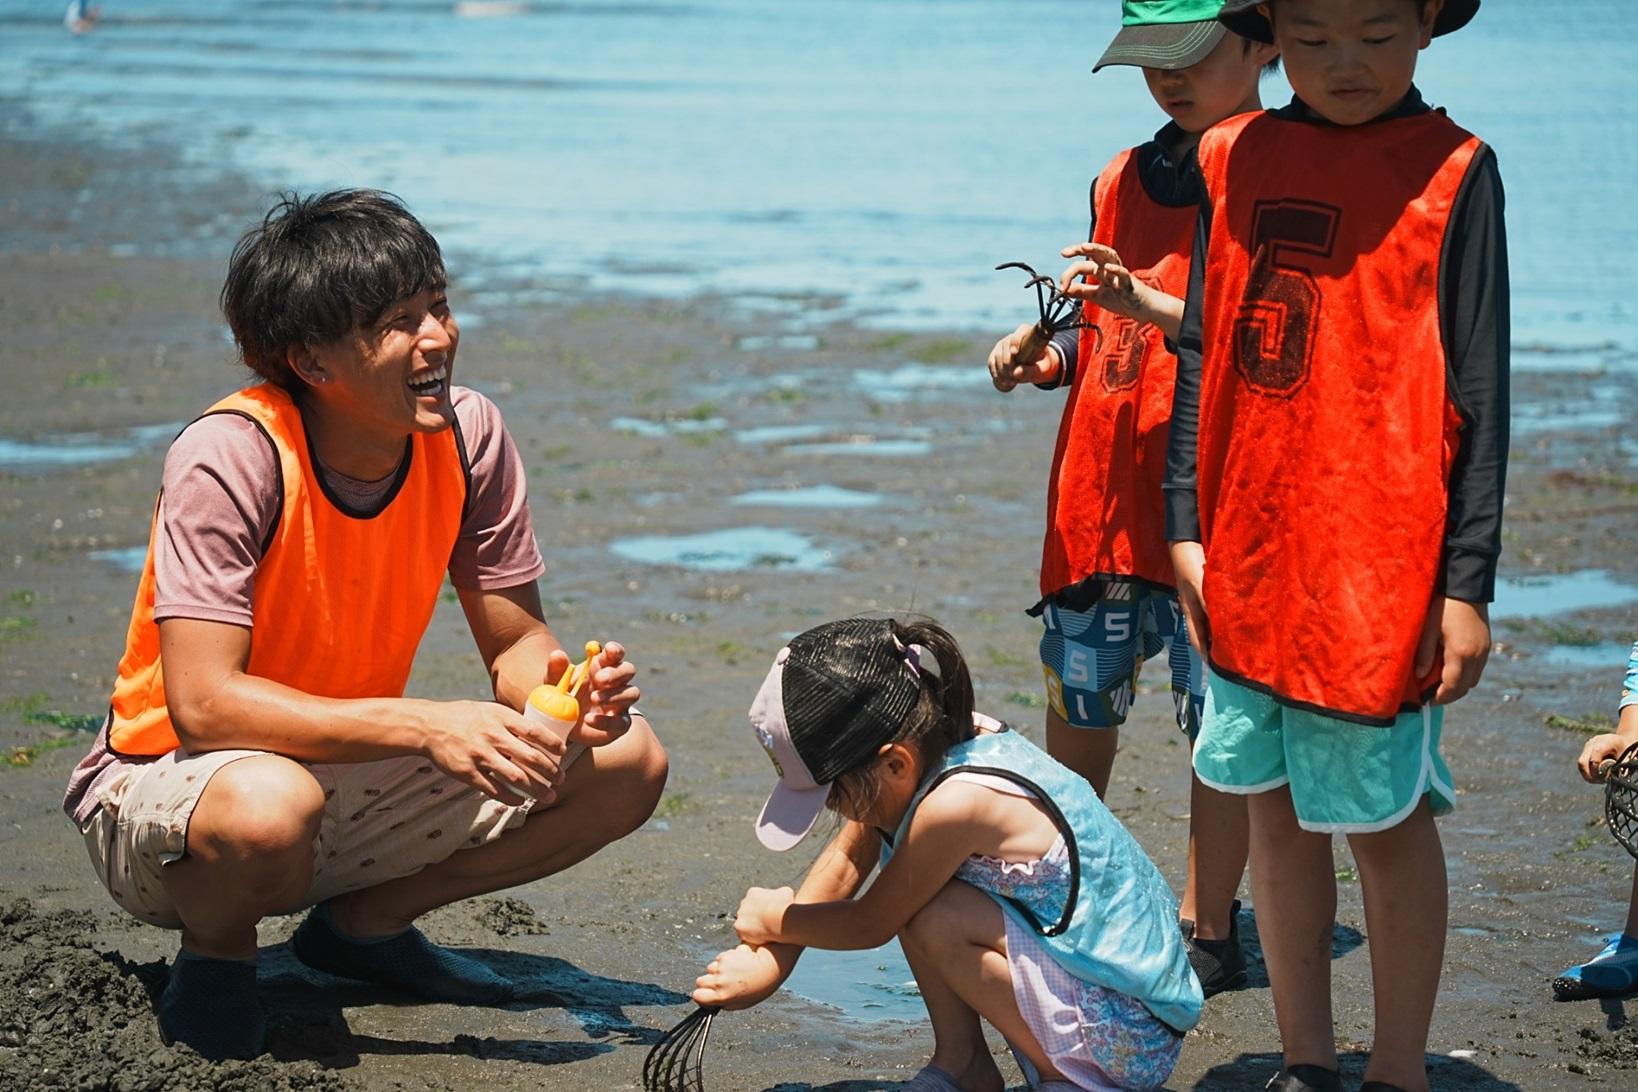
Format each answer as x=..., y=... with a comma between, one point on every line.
x=220, y=496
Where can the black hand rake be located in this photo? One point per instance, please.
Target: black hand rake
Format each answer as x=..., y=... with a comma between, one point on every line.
x=1058, y=313
x=676, y=1062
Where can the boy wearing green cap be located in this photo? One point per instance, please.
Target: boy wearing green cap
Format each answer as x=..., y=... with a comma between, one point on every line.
x=1107, y=586
x=1334, y=495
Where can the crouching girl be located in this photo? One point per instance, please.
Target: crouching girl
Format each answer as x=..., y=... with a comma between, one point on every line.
x=1016, y=896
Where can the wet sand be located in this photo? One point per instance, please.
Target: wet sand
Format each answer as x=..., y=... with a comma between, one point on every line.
x=101, y=340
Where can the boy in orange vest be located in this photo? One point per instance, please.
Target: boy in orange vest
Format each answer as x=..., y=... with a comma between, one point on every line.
x=1334, y=489
x=1108, y=592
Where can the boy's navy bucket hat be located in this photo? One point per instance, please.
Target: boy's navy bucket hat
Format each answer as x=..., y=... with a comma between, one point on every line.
x=1167, y=34
x=1242, y=17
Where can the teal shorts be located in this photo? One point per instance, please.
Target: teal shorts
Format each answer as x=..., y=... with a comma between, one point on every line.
x=1345, y=778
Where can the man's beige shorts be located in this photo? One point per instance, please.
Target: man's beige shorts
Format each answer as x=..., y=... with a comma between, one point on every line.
x=382, y=820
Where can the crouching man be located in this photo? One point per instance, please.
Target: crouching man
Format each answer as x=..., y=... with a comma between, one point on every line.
x=260, y=756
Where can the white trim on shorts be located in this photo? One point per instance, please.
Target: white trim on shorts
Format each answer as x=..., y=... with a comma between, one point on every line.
x=1424, y=780
x=1244, y=790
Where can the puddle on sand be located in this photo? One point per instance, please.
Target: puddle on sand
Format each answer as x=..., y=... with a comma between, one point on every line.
x=76, y=448
x=906, y=381
x=129, y=560
x=1606, y=654
x=1531, y=596
x=762, y=342
x=812, y=496
x=779, y=434
x=639, y=426
x=875, y=984
x=863, y=445
x=727, y=550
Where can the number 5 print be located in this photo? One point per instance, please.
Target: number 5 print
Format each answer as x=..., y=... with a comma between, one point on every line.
x=1274, y=329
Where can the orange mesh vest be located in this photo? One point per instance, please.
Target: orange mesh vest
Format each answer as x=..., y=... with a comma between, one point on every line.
x=1327, y=428
x=1105, y=515
x=341, y=602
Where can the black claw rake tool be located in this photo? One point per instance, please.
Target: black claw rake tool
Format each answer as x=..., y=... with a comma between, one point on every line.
x=677, y=1062
x=1058, y=313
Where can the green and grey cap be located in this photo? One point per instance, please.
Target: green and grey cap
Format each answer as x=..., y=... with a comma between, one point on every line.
x=1167, y=34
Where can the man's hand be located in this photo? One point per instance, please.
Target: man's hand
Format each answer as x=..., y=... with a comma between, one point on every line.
x=607, y=701
x=739, y=978
x=1465, y=630
x=1189, y=565
x=496, y=750
x=1008, y=369
x=761, y=914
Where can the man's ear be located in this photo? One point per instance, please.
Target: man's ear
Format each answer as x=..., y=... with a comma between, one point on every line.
x=305, y=365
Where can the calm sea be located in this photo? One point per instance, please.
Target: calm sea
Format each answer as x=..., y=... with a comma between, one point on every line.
x=887, y=153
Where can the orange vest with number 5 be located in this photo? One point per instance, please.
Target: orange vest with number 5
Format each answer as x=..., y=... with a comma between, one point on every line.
x=1327, y=424
x=1105, y=516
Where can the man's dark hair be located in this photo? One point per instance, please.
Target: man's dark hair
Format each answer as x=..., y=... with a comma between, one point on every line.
x=320, y=267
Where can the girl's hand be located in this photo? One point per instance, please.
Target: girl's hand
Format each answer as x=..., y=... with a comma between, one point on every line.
x=761, y=914
x=739, y=978
x=1599, y=749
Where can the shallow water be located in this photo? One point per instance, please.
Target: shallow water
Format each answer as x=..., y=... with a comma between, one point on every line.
x=62, y=449
x=639, y=426
x=727, y=550
x=129, y=559
x=864, y=445
x=1558, y=593
x=813, y=496
x=874, y=984
x=907, y=381
x=1606, y=655
x=885, y=155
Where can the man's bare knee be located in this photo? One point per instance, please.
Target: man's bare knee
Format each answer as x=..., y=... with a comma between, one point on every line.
x=266, y=808
x=631, y=775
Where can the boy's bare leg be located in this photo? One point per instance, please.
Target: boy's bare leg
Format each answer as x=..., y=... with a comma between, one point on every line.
x=608, y=792
x=1402, y=873
x=1090, y=752
x=957, y=947
x=1293, y=880
x=249, y=854
x=1219, y=842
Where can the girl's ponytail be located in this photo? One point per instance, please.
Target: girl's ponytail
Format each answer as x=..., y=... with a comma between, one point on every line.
x=943, y=715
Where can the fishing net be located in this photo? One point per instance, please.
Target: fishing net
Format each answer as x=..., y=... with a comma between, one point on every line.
x=1621, y=799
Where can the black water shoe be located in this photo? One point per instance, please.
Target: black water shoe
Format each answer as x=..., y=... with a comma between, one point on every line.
x=1305, y=1078
x=406, y=961
x=211, y=1005
x=1219, y=964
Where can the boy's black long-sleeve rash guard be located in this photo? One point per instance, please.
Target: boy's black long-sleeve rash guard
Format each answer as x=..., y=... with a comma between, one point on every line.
x=1169, y=175
x=1475, y=322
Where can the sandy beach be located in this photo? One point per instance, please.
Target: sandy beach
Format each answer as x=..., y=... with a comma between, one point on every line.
x=643, y=422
